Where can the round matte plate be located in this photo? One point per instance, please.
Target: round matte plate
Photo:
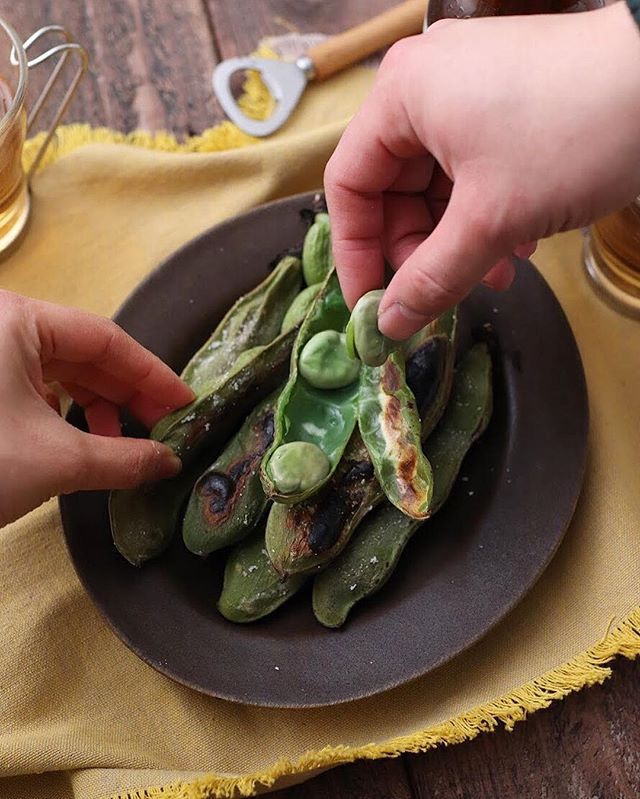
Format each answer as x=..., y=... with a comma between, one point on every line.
x=461, y=573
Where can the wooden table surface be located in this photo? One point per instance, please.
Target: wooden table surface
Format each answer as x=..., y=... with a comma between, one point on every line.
x=151, y=63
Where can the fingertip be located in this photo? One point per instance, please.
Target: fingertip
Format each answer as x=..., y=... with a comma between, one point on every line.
x=169, y=464
x=398, y=322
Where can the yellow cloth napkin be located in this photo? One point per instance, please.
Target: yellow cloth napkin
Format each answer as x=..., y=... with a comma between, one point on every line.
x=81, y=715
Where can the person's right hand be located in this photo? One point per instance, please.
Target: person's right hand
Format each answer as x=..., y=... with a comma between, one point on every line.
x=480, y=137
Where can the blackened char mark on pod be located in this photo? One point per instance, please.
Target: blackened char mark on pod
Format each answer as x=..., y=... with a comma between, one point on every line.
x=220, y=490
x=331, y=511
x=425, y=368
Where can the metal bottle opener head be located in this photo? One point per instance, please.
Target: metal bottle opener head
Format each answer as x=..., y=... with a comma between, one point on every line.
x=285, y=81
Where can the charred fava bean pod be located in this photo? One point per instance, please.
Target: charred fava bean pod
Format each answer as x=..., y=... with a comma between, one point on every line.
x=373, y=553
x=429, y=368
x=364, y=339
x=323, y=418
x=391, y=429
x=144, y=520
x=227, y=500
x=205, y=421
x=302, y=537
x=324, y=362
x=299, y=307
x=306, y=536
x=317, y=260
x=252, y=321
x=252, y=588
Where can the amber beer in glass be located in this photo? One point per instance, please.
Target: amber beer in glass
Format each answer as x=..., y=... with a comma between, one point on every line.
x=15, y=63
x=14, y=194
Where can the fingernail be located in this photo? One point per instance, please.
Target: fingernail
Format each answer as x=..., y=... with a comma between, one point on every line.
x=399, y=322
x=170, y=465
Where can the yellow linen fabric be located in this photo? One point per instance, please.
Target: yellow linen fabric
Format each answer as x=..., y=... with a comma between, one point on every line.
x=80, y=715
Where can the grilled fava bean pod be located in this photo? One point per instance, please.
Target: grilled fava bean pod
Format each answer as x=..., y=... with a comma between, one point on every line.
x=391, y=429
x=317, y=260
x=144, y=520
x=205, y=421
x=306, y=536
x=372, y=555
x=227, y=500
x=323, y=418
x=252, y=588
x=299, y=307
x=252, y=321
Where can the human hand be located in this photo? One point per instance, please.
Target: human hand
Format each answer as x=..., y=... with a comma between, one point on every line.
x=480, y=137
x=103, y=369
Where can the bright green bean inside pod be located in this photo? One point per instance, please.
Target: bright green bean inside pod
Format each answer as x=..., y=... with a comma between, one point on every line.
x=324, y=361
x=364, y=339
x=299, y=307
x=298, y=466
x=317, y=259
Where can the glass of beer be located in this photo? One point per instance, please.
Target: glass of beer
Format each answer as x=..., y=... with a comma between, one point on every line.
x=15, y=64
x=612, y=258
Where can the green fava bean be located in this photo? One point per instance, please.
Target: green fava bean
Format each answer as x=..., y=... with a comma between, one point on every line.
x=364, y=339
x=299, y=307
x=373, y=553
x=324, y=362
x=297, y=466
x=227, y=500
x=252, y=588
x=306, y=536
x=323, y=417
x=317, y=260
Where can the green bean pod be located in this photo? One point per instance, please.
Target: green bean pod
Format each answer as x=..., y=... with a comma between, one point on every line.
x=306, y=536
x=207, y=420
x=252, y=588
x=227, y=500
x=373, y=553
x=390, y=426
x=320, y=418
x=317, y=259
x=253, y=320
x=144, y=520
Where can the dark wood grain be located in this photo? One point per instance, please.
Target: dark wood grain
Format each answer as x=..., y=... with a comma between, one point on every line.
x=151, y=61
x=239, y=25
x=586, y=747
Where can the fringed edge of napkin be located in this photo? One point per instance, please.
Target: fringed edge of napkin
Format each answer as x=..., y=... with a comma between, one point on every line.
x=256, y=102
x=586, y=669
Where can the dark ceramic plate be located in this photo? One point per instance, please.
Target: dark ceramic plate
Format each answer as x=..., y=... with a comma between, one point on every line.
x=461, y=573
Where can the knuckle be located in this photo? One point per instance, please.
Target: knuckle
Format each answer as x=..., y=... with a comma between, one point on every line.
x=137, y=465
x=75, y=467
x=396, y=56
x=438, y=291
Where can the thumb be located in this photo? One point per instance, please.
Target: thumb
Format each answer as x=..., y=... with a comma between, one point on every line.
x=102, y=462
x=443, y=269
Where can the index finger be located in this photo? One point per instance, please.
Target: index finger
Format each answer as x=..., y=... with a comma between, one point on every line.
x=68, y=334
x=367, y=162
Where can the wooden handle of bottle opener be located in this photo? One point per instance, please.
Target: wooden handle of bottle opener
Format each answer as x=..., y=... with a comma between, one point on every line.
x=357, y=43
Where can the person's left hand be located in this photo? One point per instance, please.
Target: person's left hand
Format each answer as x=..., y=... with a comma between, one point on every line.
x=103, y=369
